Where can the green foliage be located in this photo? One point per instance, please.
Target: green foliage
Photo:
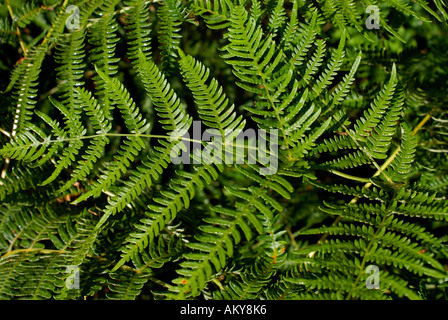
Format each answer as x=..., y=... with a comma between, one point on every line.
x=95, y=203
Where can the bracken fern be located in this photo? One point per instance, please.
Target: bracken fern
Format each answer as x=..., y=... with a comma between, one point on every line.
x=96, y=119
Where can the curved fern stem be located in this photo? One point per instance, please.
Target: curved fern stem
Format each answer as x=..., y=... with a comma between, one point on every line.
x=15, y=148
x=348, y=176
x=28, y=250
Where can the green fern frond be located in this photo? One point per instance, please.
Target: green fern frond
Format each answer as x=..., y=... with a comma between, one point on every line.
x=130, y=147
x=170, y=17
x=379, y=142
x=25, y=89
x=19, y=277
x=70, y=57
x=75, y=130
x=215, y=14
x=133, y=119
x=305, y=39
x=321, y=171
x=126, y=284
x=217, y=240
x=277, y=18
x=252, y=282
x=104, y=39
x=374, y=230
x=7, y=32
x=289, y=35
x=173, y=116
x=138, y=28
x=28, y=12
x=378, y=107
x=346, y=13
x=96, y=148
x=400, y=167
x=326, y=78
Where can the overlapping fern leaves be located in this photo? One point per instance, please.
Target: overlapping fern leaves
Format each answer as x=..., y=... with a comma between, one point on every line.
x=354, y=14
x=89, y=182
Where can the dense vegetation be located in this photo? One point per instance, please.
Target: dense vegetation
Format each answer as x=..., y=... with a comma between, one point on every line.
x=111, y=186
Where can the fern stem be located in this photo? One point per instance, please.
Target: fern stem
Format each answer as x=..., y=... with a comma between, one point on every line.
x=395, y=153
x=167, y=137
x=19, y=35
x=27, y=250
x=348, y=176
x=292, y=237
x=422, y=123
